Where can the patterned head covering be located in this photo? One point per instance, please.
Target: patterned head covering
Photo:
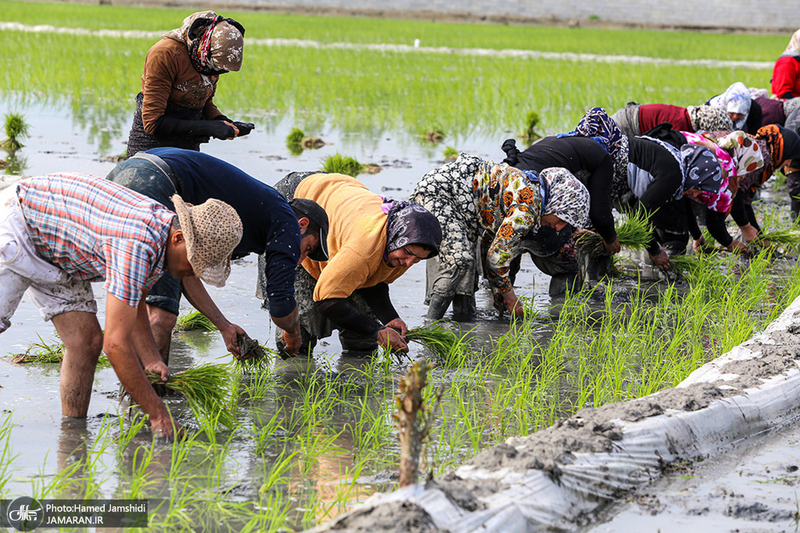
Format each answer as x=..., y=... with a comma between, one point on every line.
x=215, y=43
x=709, y=118
x=410, y=223
x=597, y=125
x=743, y=150
x=735, y=99
x=703, y=172
x=773, y=137
x=568, y=198
x=793, y=48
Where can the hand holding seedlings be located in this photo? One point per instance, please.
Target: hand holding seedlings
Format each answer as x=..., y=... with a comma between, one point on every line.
x=390, y=338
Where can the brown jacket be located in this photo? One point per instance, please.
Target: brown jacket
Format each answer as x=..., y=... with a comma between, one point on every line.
x=170, y=77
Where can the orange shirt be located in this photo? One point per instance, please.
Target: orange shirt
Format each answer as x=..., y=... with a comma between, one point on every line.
x=356, y=236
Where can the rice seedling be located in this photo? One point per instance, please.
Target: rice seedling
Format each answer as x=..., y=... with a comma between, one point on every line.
x=634, y=232
x=206, y=388
x=16, y=130
x=450, y=154
x=778, y=238
x=530, y=134
x=295, y=136
x=41, y=352
x=441, y=341
x=194, y=321
x=341, y=164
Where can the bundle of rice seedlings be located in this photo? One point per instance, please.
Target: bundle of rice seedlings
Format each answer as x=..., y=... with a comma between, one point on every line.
x=778, y=237
x=295, y=137
x=442, y=341
x=194, y=321
x=687, y=266
x=40, y=352
x=634, y=233
x=341, y=164
x=206, y=389
x=258, y=359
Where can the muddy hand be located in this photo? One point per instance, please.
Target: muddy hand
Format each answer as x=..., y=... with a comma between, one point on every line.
x=166, y=429
x=158, y=368
x=292, y=341
x=612, y=247
x=661, y=260
x=390, y=338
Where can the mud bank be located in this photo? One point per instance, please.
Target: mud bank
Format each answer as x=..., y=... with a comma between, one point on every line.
x=564, y=477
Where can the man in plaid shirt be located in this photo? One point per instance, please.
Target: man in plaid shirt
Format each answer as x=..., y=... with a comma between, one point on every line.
x=60, y=232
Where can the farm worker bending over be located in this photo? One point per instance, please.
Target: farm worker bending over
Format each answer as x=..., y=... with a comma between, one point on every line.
x=283, y=233
x=507, y=208
x=372, y=241
x=654, y=175
x=60, y=232
x=636, y=119
x=593, y=166
x=175, y=107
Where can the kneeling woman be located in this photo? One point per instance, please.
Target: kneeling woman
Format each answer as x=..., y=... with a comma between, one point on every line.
x=372, y=241
x=503, y=206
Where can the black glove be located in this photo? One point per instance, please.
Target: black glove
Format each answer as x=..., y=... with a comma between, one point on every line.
x=244, y=127
x=168, y=126
x=217, y=129
x=510, y=148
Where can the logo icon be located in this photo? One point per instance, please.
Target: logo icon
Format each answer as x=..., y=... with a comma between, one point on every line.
x=25, y=513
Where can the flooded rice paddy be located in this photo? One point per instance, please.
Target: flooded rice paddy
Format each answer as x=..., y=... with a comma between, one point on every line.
x=315, y=436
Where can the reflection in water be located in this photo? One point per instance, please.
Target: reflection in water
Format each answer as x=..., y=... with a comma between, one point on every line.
x=15, y=163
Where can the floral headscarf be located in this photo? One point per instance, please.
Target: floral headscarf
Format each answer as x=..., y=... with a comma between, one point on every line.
x=709, y=118
x=793, y=48
x=410, y=223
x=735, y=99
x=744, y=152
x=773, y=137
x=215, y=43
x=568, y=198
x=597, y=125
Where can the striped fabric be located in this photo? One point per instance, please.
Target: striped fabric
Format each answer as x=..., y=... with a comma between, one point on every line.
x=97, y=230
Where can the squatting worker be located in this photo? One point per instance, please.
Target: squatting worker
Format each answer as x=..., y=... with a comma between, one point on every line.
x=372, y=241
x=60, y=232
x=176, y=107
x=506, y=209
x=283, y=233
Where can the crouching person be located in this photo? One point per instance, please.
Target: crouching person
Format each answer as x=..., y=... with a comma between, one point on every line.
x=60, y=232
x=509, y=211
x=372, y=241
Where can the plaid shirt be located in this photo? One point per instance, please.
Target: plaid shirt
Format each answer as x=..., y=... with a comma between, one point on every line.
x=97, y=230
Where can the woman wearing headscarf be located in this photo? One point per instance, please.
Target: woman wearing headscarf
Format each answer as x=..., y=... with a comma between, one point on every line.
x=786, y=72
x=637, y=119
x=175, y=107
x=737, y=154
x=738, y=103
x=779, y=146
x=372, y=241
x=594, y=167
x=653, y=175
x=505, y=208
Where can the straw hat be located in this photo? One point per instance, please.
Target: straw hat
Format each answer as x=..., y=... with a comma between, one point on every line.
x=212, y=230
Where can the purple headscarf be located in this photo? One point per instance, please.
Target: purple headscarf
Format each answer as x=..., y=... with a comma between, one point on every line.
x=410, y=223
